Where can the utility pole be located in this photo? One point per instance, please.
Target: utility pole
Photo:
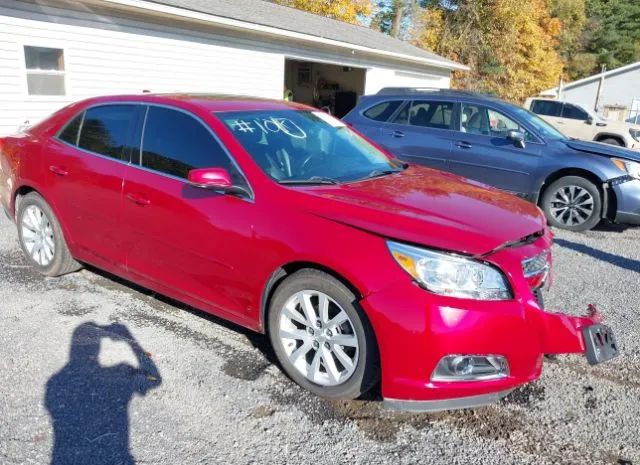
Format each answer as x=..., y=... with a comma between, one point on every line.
x=600, y=88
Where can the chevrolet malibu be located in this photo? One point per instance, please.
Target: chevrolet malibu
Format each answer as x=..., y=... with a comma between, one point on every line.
x=360, y=268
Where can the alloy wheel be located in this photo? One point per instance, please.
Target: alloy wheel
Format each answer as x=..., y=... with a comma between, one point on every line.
x=37, y=235
x=319, y=338
x=572, y=205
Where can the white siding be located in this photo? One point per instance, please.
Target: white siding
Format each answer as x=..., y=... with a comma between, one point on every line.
x=377, y=78
x=127, y=60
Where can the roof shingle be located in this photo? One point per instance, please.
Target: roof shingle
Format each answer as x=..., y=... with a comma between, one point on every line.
x=290, y=19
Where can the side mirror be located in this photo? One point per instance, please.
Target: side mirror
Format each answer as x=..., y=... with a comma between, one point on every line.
x=589, y=120
x=215, y=179
x=516, y=137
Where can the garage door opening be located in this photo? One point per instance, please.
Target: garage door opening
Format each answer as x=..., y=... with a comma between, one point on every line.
x=331, y=87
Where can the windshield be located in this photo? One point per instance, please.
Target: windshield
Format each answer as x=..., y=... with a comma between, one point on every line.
x=541, y=126
x=306, y=147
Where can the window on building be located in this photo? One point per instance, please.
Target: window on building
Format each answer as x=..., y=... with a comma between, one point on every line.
x=45, y=70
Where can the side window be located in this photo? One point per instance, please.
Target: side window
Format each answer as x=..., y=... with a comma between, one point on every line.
x=403, y=116
x=105, y=130
x=69, y=133
x=573, y=112
x=474, y=119
x=382, y=111
x=175, y=143
x=431, y=114
x=546, y=107
x=477, y=119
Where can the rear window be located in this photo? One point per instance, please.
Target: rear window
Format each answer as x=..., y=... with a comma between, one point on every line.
x=383, y=111
x=546, y=107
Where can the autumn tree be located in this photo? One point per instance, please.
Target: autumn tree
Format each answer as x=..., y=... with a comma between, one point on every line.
x=349, y=11
x=573, y=37
x=508, y=44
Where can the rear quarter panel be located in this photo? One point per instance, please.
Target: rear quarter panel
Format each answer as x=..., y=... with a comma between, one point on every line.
x=21, y=166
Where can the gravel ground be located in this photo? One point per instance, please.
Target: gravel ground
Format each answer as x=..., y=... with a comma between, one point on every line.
x=189, y=388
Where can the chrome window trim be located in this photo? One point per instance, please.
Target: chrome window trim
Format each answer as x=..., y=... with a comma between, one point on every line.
x=139, y=166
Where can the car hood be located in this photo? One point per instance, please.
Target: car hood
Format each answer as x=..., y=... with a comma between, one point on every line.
x=428, y=207
x=598, y=148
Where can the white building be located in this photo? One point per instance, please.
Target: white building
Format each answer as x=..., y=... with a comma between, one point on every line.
x=53, y=52
x=619, y=93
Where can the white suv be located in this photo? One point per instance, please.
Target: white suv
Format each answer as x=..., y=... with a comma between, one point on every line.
x=575, y=121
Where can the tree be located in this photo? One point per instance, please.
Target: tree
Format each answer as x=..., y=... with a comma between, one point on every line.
x=573, y=37
x=508, y=44
x=349, y=11
x=616, y=31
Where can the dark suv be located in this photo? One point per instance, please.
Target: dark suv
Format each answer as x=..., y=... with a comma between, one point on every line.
x=576, y=183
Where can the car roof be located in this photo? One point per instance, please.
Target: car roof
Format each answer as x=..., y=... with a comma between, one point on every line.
x=412, y=92
x=209, y=102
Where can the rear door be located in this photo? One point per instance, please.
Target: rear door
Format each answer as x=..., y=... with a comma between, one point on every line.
x=85, y=165
x=482, y=152
x=422, y=132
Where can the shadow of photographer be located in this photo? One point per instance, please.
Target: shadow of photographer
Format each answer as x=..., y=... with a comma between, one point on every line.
x=88, y=403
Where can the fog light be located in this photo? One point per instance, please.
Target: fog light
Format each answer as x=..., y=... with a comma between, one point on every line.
x=471, y=368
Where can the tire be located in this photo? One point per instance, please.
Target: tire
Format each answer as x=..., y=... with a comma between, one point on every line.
x=38, y=228
x=611, y=141
x=572, y=203
x=352, y=381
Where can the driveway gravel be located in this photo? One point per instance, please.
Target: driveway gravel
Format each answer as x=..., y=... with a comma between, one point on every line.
x=122, y=375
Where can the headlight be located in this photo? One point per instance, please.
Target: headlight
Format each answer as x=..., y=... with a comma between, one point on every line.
x=635, y=133
x=632, y=168
x=451, y=275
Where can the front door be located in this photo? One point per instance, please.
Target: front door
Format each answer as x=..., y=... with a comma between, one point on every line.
x=183, y=240
x=481, y=151
x=85, y=165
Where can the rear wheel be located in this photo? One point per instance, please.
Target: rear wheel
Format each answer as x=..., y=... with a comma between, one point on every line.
x=572, y=203
x=41, y=237
x=321, y=338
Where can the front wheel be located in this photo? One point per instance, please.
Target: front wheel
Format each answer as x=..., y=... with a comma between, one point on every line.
x=41, y=237
x=321, y=338
x=572, y=203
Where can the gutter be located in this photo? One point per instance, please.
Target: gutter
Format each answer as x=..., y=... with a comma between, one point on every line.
x=244, y=25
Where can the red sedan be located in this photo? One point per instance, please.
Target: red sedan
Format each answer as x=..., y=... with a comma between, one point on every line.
x=280, y=218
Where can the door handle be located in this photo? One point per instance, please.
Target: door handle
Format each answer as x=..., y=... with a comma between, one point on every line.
x=58, y=170
x=464, y=145
x=138, y=200
x=397, y=134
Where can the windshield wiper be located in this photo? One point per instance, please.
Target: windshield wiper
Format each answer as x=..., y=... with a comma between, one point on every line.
x=379, y=173
x=311, y=180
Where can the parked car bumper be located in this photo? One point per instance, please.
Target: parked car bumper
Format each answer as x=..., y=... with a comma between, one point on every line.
x=414, y=334
x=628, y=202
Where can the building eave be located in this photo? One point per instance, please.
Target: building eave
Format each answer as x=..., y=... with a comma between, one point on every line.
x=161, y=9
